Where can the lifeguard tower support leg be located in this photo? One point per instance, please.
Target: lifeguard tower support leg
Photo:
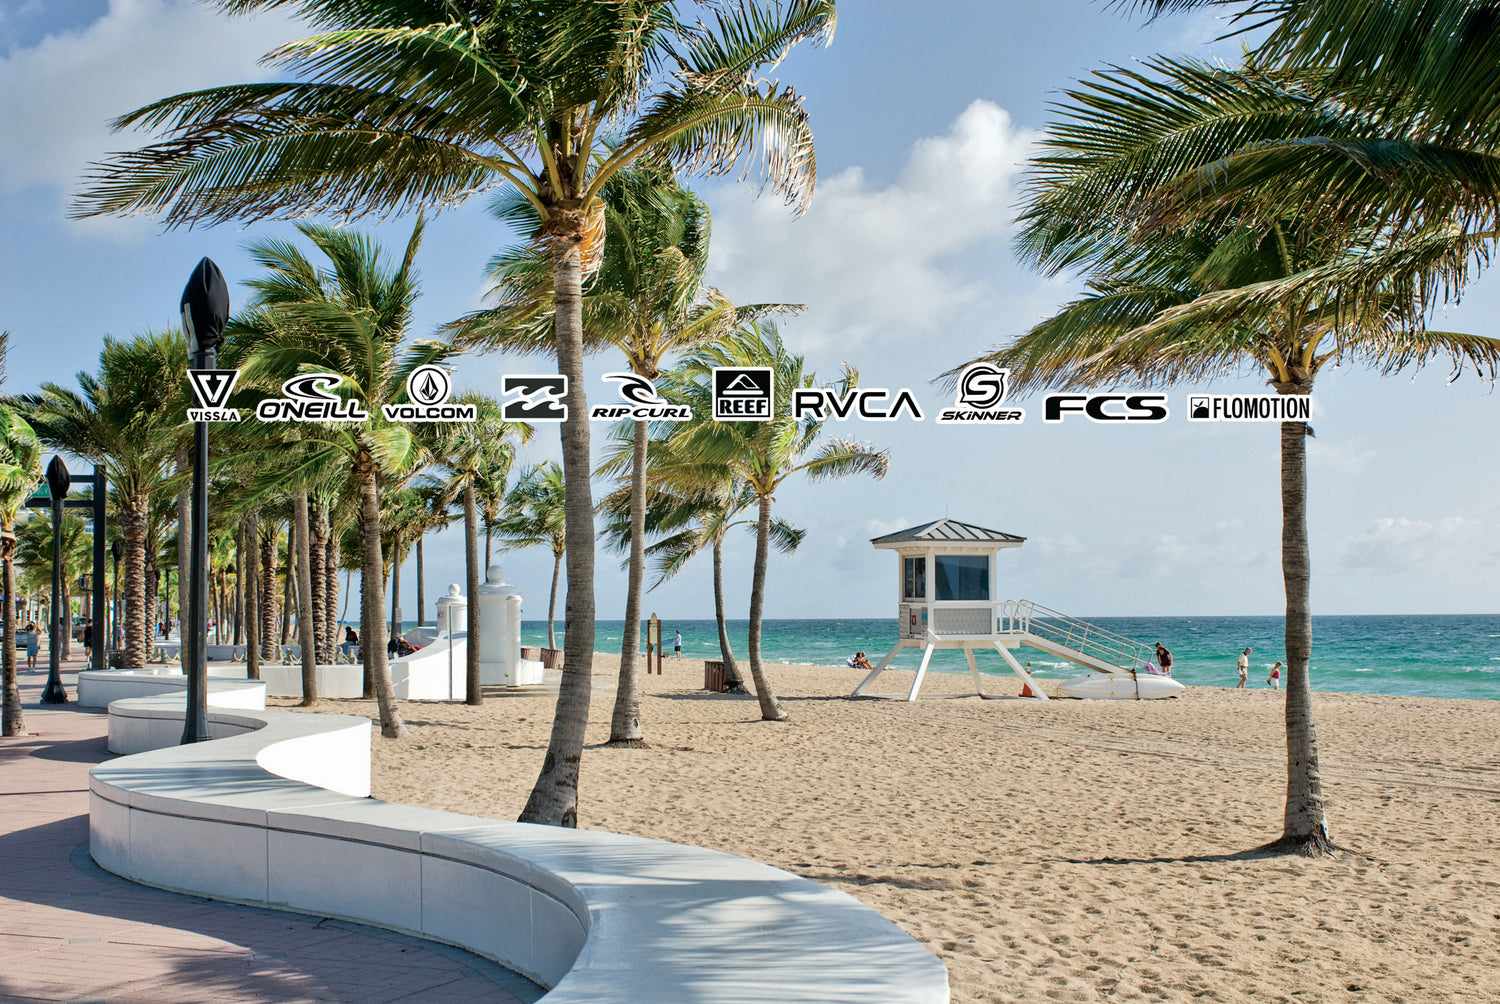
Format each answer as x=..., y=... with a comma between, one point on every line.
x=879, y=668
x=974, y=672
x=1021, y=672
x=916, y=684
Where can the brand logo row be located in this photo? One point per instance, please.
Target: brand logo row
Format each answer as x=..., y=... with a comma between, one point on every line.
x=740, y=394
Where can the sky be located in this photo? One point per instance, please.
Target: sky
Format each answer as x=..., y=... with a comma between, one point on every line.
x=924, y=116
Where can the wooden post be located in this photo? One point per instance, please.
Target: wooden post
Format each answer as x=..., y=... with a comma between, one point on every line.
x=653, y=638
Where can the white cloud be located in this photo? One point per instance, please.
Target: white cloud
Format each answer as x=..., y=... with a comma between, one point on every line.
x=63, y=91
x=1346, y=458
x=901, y=259
x=1396, y=545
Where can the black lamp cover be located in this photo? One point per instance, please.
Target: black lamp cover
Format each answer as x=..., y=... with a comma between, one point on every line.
x=205, y=307
x=114, y=548
x=58, y=479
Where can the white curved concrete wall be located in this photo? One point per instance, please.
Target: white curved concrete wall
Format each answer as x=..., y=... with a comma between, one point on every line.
x=257, y=817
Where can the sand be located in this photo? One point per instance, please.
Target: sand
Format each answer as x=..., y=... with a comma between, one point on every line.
x=1068, y=851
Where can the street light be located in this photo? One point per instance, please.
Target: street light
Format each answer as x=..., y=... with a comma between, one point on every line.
x=58, y=483
x=205, y=309
x=114, y=608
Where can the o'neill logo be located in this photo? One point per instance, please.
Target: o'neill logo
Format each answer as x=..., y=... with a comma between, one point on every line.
x=1249, y=408
x=981, y=391
x=308, y=399
x=212, y=389
x=644, y=406
x=866, y=402
x=427, y=389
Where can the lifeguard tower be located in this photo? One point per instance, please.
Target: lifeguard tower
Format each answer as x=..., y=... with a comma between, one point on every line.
x=947, y=573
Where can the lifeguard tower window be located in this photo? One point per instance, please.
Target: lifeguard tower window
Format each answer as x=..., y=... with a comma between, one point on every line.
x=963, y=577
x=915, y=579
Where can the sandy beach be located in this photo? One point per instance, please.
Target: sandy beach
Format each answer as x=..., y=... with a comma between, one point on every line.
x=1068, y=851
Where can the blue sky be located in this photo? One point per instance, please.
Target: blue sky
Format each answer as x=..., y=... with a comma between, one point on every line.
x=923, y=116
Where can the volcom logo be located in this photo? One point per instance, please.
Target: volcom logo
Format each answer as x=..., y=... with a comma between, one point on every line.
x=308, y=398
x=212, y=389
x=540, y=398
x=981, y=391
x=427, y=389
x=645, y=404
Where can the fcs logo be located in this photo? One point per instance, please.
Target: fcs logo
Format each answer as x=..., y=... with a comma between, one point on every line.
x=1107, y=408
x=823, y=402
x=212, y=389
x=644, y=405
x=308, y=398
x=981, y=391
x=540, y=398
x=427, y=389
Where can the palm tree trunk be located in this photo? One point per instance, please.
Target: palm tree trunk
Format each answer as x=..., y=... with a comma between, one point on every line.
x=1305, y=828
x=238, y=637
x=554, y=797
x=268, y=592
x=184, y=539
x=421, y=589
x=150, y=584
x=12, y=720
x=315, y=573
x=732, y=681
x=286, y=591
x=472, y=694
x=364, y=614
x=625, y=723
x=252, y=596
x=770, y=709
x=372, y=620
x=395, y=591
x=557, y=558
x=305, y=635
x=138, y=628
x=331, y=613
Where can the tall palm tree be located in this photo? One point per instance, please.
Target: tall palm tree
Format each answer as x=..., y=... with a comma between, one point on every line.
x=536, y=514
x=761, y=455
x=349, y=319
x=413, y=103
x=125, y=419
x=1210, y=299
x=20, y=469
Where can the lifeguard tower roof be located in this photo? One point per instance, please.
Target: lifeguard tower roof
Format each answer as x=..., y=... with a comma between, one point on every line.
x=947, y=531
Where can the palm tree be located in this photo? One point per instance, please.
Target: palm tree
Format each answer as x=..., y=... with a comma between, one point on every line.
x=124, y=419
x=33, y=552
x=349, y=320
x=1200, y=301
x=417, y=103
x=761, y=455
x=20, y=468
x=536, y=514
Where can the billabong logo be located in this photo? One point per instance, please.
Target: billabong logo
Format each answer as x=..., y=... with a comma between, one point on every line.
x=212, y=388
x=539, y=398
x=308, y=398
x=866, y=402
x=743, y=393
x=981, y=391
x=644, y=405
x=427, y=389
x=1249, y=408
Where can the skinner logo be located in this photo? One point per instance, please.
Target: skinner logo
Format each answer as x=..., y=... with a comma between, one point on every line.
x=644, y=405
x=743, y=393
x=427, y=389
x=866, y=402
x=539, y=398
x=308, y=398
x=212, y=389
x=981, y=391
x=1249, y=408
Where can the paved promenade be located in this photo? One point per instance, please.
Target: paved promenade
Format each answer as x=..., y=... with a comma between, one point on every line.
x=70, y=931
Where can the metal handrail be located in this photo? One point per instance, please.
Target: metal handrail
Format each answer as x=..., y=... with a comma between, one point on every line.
x=1070, y=632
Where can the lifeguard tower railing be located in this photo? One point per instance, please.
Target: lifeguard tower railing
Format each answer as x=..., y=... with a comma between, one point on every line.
x=1071, y=638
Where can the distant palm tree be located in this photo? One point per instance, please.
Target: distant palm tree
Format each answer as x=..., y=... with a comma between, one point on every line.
x=20, y=470
x=536, y=515
x=761, y=455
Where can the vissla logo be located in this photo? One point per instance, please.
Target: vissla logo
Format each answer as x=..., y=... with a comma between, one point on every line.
x=308, y=398
x=539, y=398
x=428, y=388
x=645, y=404
x=981, y=391
x=824, y=402
x=743, y=393
x=1106, y=408
x=212, y=389
x=1249, y=408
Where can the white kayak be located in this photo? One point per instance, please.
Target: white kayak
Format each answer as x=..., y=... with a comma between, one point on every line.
x=1121, y=687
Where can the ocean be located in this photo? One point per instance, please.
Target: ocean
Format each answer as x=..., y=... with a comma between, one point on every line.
x=1424, y=656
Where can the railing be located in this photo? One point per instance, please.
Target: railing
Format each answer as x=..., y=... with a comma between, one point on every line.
x=1069, y=632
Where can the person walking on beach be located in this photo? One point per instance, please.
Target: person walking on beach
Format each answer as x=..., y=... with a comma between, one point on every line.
x=1164, y=659
x=677, y=643
x=1243, y=666
x=88, y=639
x=33, y=645
x=1274, y=680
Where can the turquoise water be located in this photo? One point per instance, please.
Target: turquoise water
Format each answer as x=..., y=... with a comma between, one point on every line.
x=1429, y=656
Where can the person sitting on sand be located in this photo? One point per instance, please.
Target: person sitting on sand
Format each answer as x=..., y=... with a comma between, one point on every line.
x=859, y=661
x=1274, y=680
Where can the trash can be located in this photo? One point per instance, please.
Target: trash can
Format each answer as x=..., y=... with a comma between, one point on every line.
x=713, y=676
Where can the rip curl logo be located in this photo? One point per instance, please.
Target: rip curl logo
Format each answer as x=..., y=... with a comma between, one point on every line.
x=981, y=391
x=309, y=398
x=540, y=398
x=427, y=390
x=645, y=405
x=212, y=388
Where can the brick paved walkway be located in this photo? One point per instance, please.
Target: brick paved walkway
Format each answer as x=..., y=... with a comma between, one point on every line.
x=69, y=931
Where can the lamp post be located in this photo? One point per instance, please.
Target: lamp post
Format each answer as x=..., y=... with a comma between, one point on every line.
x=114, y=607
x=205, y=309
x=58, y=483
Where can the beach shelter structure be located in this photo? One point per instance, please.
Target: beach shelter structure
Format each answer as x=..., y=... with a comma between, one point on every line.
x=947, y=573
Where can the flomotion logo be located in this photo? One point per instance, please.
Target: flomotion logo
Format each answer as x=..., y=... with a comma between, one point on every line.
x=1249, y=408
x=644, y=403
x=981, y=391
x=309, y=398
x=427, y=390
x=212, y=388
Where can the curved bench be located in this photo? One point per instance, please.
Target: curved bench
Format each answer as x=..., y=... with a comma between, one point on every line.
x=272, y=815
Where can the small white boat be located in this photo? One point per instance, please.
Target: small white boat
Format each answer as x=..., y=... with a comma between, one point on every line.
x=1120, y=687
